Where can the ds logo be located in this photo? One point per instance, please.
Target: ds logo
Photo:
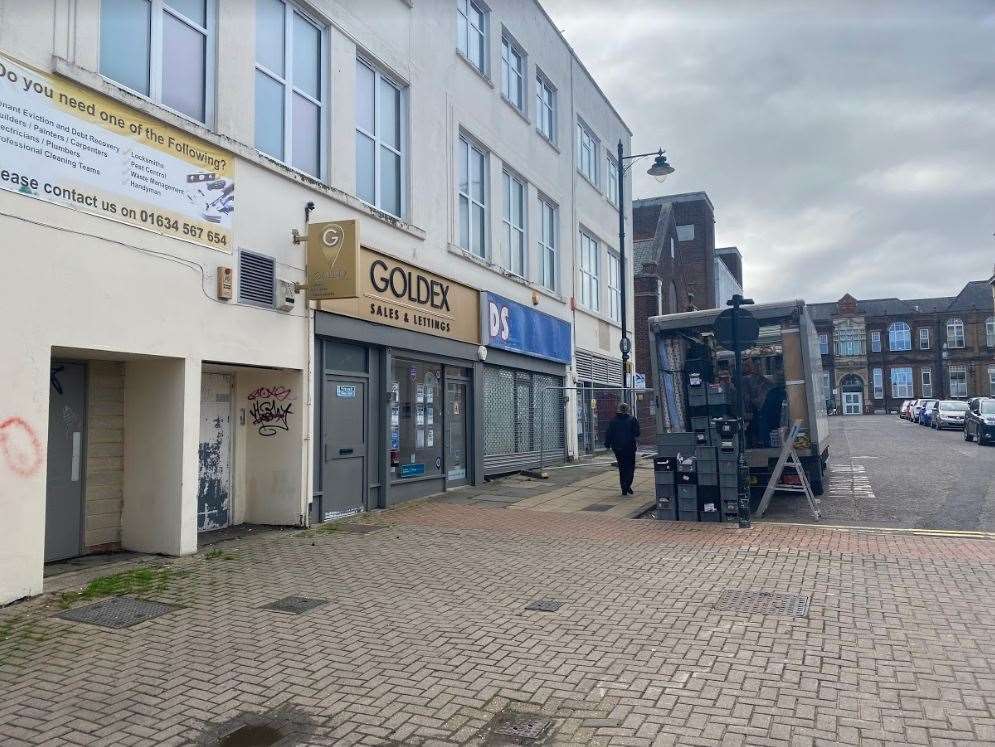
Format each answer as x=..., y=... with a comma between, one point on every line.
x=498, y=318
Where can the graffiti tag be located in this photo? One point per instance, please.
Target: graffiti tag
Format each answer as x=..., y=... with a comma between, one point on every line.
x=20, y=446
x=264, y=392
x=270, y=416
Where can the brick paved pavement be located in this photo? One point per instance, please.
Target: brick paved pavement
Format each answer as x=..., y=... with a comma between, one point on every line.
x=425, y=639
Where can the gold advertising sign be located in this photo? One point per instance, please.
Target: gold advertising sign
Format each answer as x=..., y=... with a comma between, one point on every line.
x=402, y=295
x=333, y=260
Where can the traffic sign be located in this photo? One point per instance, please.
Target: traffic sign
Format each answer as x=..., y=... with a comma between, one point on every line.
x=747, y=328
x=625, y=345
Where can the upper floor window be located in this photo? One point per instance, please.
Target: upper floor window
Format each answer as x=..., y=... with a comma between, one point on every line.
x=849, y=340
x=824, y=344
x=955, y=333
x=875, y=341
x=472, y=197
x=590, y=283
x=513, y=74
x=614, y=287
x=685, y=233
x=990, y=332
x=290, y=102
x=514, y=223
x=548, y=254
x=899, y=336
x=545, y=108
x=162, y=49
x=380, y=117
x=924, y=338
x=471, y=33
x=612, y=180
x=587, y=153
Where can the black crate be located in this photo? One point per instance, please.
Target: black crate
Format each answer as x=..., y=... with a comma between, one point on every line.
x=664, y=464
x=687, y=492
x=687, y=516
x=666, y=491
x=685, y=504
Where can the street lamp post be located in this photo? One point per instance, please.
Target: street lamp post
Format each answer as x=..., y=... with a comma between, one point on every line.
x=661, y=170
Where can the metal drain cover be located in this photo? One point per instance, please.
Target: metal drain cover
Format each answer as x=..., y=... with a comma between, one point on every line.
x=119, y=612
x=295, y=605
x=598, y=507
x=523, y=728
x=763, y=603
x=544, y=605
x=361, y=528
x=252, y=735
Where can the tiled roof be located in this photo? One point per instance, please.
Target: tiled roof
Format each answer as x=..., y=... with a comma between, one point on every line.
x=977, y=294
x=647, y=244
x=644, y=221
x=671, y=199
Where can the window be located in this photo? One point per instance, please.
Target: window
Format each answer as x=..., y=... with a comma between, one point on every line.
x=548, y=258
x=590, y=289
x=472, y=198
x=672, y=298
x=545, y=108
x=990, y=332
x=289, y=81
x=899, y=336
x=416, y=398
x=513, y=74
x=685, y=233
x=587, y=153
x=926, y=377
x=827, y=386
x=514, y=223
x=875, y=341
x=991, y=381
x=955, y=333
x=901, y=383
x=471, y=33
x=958, y=381
x=672, y=242
x=612, y=180
x=614, y=287
x=161, y=49
x=380, y=116
x=924, y=338
x=824, y=344
x=849, y=340
x=878, y=379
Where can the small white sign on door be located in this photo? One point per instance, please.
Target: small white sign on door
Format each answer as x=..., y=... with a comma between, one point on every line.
x=345, y=390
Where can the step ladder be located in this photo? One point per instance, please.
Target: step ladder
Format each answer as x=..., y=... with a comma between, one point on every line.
x=788, y=458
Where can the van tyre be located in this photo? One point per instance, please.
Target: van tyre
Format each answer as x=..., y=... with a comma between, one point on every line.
x=968, y=436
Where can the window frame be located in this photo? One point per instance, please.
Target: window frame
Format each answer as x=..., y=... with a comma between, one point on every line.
x=586, y=135
x=958, y=369
x=901, y=389
x=877, y=383
x=289, y=89
x=875, y=341
x=991, y=381
x=955, y=323
x=823, y=343
x=844, y=345
x=925, y=338
x=483, y=34
x=511, y=47
x=469, y=144
x=509, y=179
x=990, y=332
x=899, y=333
x=543, y=84
x=379, y=76
x=613, y=281
x=590, y=278
x=155, y=52
x=548, y=251
x=611, y=179
x=686, y=225
x=926, y=383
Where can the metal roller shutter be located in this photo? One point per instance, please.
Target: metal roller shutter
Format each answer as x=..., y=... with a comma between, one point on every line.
x=519, y=409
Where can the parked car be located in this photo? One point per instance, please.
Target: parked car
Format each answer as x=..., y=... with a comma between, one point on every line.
x=922, y=411
x=905, y=409
x=979, y=420
x=914, y=410
x=947, y=413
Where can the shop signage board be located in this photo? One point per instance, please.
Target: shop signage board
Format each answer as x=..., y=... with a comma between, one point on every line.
x=333, y=260
x=68, y=145
x=401, y=295
x=513, y=326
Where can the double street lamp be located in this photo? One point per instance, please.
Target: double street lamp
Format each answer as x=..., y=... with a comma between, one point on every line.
x=661, y=170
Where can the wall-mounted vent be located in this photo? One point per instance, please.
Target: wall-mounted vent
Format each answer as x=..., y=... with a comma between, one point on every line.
x=256, y=278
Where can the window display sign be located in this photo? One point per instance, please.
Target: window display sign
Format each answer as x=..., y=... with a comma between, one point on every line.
x=413, y=437
x=512, y=326
x=65, y=144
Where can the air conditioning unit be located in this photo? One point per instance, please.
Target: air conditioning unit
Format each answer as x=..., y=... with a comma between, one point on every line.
x=286, y=295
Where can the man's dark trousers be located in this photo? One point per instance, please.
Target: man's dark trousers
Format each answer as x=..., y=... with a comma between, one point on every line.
x=626, y=468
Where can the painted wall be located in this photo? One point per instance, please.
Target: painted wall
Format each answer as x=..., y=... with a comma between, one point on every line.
x=104, y=473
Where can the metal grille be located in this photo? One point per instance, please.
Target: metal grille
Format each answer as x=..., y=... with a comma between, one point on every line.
x=521, y=414
x=597, y=368
x=499, y=411
x=544, y=605
x=548, y=409
x=256, y=278
x=119, y=612
x=763, y=603
x=295, y=605
x=523, y=728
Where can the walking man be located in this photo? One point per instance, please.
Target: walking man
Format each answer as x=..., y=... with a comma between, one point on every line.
x=621, y=437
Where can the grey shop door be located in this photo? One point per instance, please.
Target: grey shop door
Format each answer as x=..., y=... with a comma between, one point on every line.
x=64, y=485
x=344, y=480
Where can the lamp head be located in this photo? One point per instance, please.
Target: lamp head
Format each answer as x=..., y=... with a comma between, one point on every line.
x=660, y=168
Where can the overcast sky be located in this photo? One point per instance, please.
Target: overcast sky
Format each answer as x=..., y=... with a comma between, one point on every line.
x=847, y=147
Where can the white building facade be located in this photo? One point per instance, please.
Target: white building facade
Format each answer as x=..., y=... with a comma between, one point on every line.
x=163, y=377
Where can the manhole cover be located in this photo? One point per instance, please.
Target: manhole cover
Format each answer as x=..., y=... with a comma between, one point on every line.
x=598, y=507
x=544, y=605
x=763, y=603
x=296, y=605
x=361, y=528
x=252, y=735
x=523, y=728
x=119, y=612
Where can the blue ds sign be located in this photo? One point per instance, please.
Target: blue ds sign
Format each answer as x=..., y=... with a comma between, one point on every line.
x=509, y=325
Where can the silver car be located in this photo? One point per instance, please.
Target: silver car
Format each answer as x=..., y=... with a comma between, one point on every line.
x=947, y=413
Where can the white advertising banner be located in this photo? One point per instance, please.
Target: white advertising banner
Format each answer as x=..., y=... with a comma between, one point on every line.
x=66, y=144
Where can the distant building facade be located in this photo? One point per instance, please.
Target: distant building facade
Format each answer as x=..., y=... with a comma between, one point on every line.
x=878, y=352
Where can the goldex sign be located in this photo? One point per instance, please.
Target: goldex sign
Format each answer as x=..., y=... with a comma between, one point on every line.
x=515, y=327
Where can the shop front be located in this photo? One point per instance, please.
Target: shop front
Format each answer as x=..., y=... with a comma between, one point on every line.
x=397, y=370
x=599, y=391
x=528, y=352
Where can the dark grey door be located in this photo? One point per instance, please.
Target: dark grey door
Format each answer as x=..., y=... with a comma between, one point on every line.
x=344, y=479
x=64, y=487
